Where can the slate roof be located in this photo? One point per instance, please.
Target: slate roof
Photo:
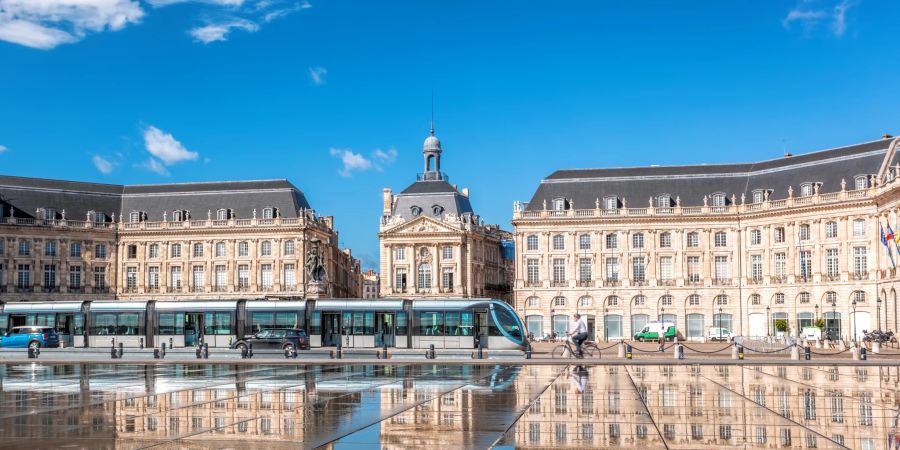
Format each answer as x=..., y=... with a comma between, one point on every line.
x=26, y=195
x=692, y=182
x=426, y=195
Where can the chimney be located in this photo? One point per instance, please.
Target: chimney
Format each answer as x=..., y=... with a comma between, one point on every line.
x=465, y=192
x=886, y=136
x=388, y=202
x=329, y=220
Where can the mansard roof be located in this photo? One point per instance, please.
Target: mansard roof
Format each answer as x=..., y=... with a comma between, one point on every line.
x=691, y=183
x=425, y=195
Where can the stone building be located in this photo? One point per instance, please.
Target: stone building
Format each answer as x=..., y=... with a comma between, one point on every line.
x=236, y=239
x=433, y=245
x=760, y=248
x=371, y=284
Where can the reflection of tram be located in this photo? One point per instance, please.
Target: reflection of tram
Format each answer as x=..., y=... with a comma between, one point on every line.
x=355, y=323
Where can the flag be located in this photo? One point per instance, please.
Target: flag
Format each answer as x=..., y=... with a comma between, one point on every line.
x=884, y=242
x=896, y=238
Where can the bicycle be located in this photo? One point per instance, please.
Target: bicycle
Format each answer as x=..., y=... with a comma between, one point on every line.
x=567, y=350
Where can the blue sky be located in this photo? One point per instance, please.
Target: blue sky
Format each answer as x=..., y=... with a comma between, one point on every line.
x=336, y=95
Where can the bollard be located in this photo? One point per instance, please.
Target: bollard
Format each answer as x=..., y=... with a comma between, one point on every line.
x=628, y=351
x=121, y=349
x=339, y=354
x=141, y=343
x=162, y=354
x=795, y=353
x=112, y=351
x=528, y=350
x=621, y=350
x=205, y=350
x=244, y=352
x=876, y=347
x=155, y=353
x=807, y=353
x=740, y=349
x=679, y=351
x=431, y=354
x=862, y=353
x=287, y=353
x=854, y=353
x=734, y=352
x=170, y=344
x=818, y=344
x=384, y=350
x=480, y=350
x=250, y=351
x=31, y=354
x=198, y=352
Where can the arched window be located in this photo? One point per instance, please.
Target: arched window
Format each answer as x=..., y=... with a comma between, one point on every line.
x=693, y=239
x=533, y=302
x=665, y=239
x=222, y=214
x=665, y=300
x=265, y=249
x=831, y=229
x=859, y=296
x=176, y=250
x=531, y=242
x=721, y=300
x=437, y=210
x=612, y=300
x=804, y=297
x=693, y=300
x=424, y=276
x=779, y=298
x=268, y=213
x=639, y=300
x=559, y=301
x=584, y=242
x=758, y=196
x=559, y=242
x=558, y=204
x=610, y=202
x=721, y=239
x=289, y=248
x=177, y=215
x=663, y=201
x=861, y=182
x=220, y=249
x=585, y=301
x=755, y=299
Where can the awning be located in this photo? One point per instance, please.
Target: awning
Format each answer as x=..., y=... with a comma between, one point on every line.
x=28, y=307
x=214, y=305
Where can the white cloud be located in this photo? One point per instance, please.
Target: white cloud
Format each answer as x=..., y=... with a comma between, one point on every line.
x=3, y=149
x=165, y=147
x=277, y=13
x=159, y=3
x=356, y=162
x=317, y=75
x=102, y=164
x=809, y=14
x=44, y=24
x=219, y=31
x=153, y=165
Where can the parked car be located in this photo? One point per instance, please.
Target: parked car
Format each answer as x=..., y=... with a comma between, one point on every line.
x=652, y=330
x=279, y=339
x=720, y=334
x=30, y=337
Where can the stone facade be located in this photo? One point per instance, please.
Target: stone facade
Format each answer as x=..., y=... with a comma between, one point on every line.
x=433, y=245
x=165, y=255
x=764, y=262
x=371, y=284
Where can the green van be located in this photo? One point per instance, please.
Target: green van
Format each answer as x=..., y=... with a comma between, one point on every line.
x=652, y=330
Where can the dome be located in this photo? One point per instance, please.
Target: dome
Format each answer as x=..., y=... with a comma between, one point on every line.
x=432, y=144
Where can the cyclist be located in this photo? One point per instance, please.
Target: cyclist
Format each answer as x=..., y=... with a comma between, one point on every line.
x=579, y=334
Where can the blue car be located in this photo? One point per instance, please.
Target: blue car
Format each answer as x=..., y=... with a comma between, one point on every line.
x=30, y=337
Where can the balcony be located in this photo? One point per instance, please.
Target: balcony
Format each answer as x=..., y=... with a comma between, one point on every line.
x=24, y=289
x=198, y=289
x=130, y=290
x=559, y=284
x=75, y=290
x=755, y=281
x=779, y=279
x=50, y=289
x=585, y=283
x=667, y=282
x=153, y=289
x=639, y=283
x=721, y=281
x=174, y=289
x=533, y=284
x=804, y=279
x=693, y=280
x=100, y=290
x=243, y=288
x=220, y=288
x=860, y=275
x=831, y=277
x=612, y=283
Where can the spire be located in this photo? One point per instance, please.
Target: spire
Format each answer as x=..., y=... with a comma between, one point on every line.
x=432, y=110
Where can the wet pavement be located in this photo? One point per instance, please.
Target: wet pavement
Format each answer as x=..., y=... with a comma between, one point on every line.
x=447, y=406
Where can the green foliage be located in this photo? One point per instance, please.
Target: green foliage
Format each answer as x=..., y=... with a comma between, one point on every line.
x=820, y=323
x=781, y=325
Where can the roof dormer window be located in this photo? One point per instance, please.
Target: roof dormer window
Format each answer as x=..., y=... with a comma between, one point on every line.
x=758, y=196
x=559, y=204
x=415, y=211
x=806, y=189
x=49, y=213
x=181, y=215
x=611, y=202
x=134, y=217
x=718, y=199
x=664, y=201
x=861, y=182
x=223, y=214
x=437, y=210
x=268, y=212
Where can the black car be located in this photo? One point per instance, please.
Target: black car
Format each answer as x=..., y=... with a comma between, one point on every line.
x=277, y=339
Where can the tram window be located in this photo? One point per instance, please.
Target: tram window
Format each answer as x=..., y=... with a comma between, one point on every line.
x=358, y=323
x=129, y=324
x=451, y=322
x=431, y=324
x=45, y=320
x=401, y=324
x=261, y=321
x=123, y=324
x=286, y=320
x=104, y=324
x=79, y=324
x=506, y=320
x=467, y=324
x=369, y=327
x=347, y=323
x=4, y=323
x=315, y=323
x=171, y=324
x=217, y=323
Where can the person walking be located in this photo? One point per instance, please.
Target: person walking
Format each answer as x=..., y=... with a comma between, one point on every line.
x=579, y=334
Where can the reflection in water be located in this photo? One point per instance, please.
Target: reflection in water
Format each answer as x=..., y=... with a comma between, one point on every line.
x=431, y=405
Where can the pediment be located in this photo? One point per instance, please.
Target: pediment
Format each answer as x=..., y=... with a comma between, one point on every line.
x=422, y=225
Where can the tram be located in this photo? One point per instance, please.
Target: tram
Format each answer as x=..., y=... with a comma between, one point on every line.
x=397, y=323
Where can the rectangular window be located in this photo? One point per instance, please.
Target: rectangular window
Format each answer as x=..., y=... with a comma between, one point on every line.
x=198, y=250
x=693, y=240
x=831, y=229
x=243, y=276
x=431, y=324
x=693, y=269
x=665, y=268
x=721, y=267
x=859, y=227
x=806, y=264
x=756, y=268
x=400, y=279
x=131, y=277
x=290, y=276
x=23, y=280
x=220, y=249
x=665, y=240
x=24, y=247
x=584, y=270
x=860, y=265
x=75, y=249
x=447, y=278
x=755, y=237
x=132, y=251
x=638, y=269
x=532, y=270
x=198, y=280
x=612, y=241
x=831, y=262
x=153, y=251
x=243, y=249
x=780, y=265
x=265, y=271
x=50, y=276
x=100, y=251
x=401, y=253
x=221, y=277
x=559, y=270
x=153, y=277
x=447, y=252
x=612, y=269
x=99, y=277
x=721, y=239
x=74, y=277
x=175, y=277
x=637, y=241
x=50, y=248
x=779, y=235
x=804, y=232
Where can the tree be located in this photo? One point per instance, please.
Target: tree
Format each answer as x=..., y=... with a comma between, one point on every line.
x=820, y=323
x=781, y=325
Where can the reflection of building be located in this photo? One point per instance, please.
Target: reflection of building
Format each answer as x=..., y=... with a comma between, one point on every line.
x=187, y=241
x=434, y=245
x=371, y=284
x=758, y=248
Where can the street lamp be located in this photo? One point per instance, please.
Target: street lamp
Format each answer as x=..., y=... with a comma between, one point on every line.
x=720, y=322
x=768, y=322
x=605, y=325
x=853, y=303
x=878, y=313
x=817, y=313
x=662, y=312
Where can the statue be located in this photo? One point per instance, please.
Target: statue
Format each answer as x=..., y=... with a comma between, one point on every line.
x=165, y=216
x=208, y=214
x=743, y=198
x=315, y=263
x=705, y=200
x=678, y=200
x=843, y=184
x=597, y=203
x=790, y=191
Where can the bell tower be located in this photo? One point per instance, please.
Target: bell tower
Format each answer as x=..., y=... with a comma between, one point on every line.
x=431, y=151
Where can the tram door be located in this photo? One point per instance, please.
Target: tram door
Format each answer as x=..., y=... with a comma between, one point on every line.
x=193, y=329
x=331, y=329
x=65, y=328
x=384, y=329
x=481, y=322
